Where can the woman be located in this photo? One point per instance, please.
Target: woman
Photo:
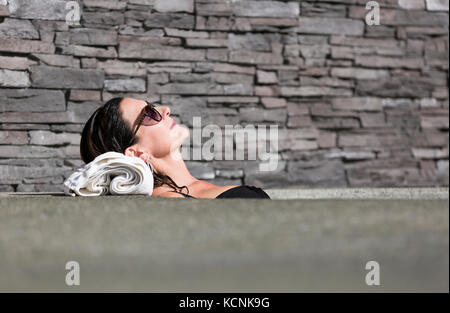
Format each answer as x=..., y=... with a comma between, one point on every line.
x=136, y=128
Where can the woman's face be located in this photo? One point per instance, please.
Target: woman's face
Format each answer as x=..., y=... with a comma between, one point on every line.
x=155, y=138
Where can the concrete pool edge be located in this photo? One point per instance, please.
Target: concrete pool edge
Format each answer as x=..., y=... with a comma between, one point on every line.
x=131, y=244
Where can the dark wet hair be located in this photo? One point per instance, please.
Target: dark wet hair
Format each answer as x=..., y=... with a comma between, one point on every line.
x=106, y=131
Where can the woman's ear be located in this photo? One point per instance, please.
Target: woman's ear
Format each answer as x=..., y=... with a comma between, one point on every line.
x=129, y=152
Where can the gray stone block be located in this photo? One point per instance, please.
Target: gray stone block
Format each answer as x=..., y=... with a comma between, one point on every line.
x=139, y=51
x=359, y=73
x=223, y=23
x=79, y=112
x=412, y=4
x=358, y=104
x=363, y=140
x=261, y=115
x=53, y=77
x=297, y=108
x=135, y=84
x=434, y=122
x=9, y=137
x=26, y=46
x=27, y=151
x=373, y=120
x=325, y=81
x=103, y=19
x=206, y=43
x=173, y=20
x=174, y=5
x=352, y=155
x=40, y=10
x=47, y=138
x=9, y=78
x=252, y=42
x=324, y=9
x=24, y=126
x=314, y=51
x=313, y=174
x=337, y=123
x=85, y=51
x=232, y=100
x=330, y=26
x=437, y=5
x=92, y=37
x=249, y=57
x=4, y=10
x=389, y=62
x=314, y=91
x=106, y=4
x=114, y=67
x=442, y=168
x=72, y=128
x=401, y=176
x=229, y=173
x=58, y=60
x=395, y=87
x=191, y=89
x=299, y=121
x=217, y=54
x=230, y=78
x=272, y=103
x=238, y=89
x=6, y=188
x=265, y=8
x=173, y=32
x=14, y=63
x=265, y=77
x=18, y=29
x=31, y=100
x=326, y=110
x=33, y=162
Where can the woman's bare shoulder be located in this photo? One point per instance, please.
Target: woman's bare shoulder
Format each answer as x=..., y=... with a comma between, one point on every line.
x=212, y=191
x=199, y=189
x=169, y=194
x=164, y=191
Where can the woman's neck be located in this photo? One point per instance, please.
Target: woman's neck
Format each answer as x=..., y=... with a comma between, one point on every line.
x=174, y=166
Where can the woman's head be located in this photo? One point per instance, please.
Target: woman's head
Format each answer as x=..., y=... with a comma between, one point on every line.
x=111, y=128
x=105, y=131
x=154, y=139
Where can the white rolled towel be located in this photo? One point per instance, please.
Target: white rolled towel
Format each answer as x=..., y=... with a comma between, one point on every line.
x=111, y=173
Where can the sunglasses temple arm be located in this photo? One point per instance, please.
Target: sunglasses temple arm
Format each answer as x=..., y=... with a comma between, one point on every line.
x=139, y=124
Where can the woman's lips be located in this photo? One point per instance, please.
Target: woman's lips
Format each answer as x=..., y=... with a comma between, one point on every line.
x=173, y=125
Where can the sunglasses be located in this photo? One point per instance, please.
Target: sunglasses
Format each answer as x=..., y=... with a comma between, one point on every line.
x=148, y=115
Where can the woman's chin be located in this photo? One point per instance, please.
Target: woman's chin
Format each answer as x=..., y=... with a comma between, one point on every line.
x=178, y=135
x=184, y=132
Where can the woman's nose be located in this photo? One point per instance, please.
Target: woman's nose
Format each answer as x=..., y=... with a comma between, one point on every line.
x=166, y=111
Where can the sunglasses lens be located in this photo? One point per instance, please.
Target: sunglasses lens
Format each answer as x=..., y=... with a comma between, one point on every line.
x=151, y=114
